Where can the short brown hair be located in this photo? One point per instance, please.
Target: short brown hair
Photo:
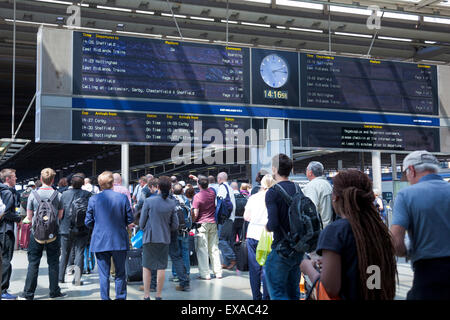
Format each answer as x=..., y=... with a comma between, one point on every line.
x=106, y=180
x=189, y=193
x=6, y=173
x=48, y=176
x=153, y=182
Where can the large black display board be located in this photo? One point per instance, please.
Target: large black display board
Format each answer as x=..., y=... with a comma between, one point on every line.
x=371, y=85
x=110, y=65
x=166, y=129
x=361, y=136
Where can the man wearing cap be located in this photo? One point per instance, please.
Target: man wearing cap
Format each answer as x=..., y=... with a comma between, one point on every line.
x=423, y=209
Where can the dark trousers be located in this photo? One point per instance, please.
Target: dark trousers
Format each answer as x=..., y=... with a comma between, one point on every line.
x=256, y=272
x=104, y=268
x=78, y=243
x=177, y=259
x=34, y=253
x=7, y=240
x=226, y=241
x=431, y=280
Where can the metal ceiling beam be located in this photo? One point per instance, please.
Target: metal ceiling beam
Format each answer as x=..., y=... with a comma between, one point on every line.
x=425, y=3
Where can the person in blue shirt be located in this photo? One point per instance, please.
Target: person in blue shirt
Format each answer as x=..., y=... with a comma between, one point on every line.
x=423, y=210
x=109, y=214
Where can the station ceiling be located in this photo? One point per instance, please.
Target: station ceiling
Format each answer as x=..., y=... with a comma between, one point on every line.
x=411, y=30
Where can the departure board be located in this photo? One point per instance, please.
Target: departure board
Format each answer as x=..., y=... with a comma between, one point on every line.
x=367, y=136
x=370, y=85
x=167, y=129
x=121, y=66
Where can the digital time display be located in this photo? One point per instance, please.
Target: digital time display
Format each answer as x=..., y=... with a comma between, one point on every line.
x=275, y=79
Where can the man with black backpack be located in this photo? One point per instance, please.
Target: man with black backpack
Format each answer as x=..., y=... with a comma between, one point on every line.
x=73, y=232
x=179, y=241
x=44, y=209
x=295, y=224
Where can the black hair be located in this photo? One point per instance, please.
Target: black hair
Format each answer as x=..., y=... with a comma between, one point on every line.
x=165, y=185
x=283, y=164
x=77, y=180
x=260, y=175
x=203, y=182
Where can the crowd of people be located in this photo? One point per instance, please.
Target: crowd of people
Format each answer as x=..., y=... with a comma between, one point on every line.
x=354, y=237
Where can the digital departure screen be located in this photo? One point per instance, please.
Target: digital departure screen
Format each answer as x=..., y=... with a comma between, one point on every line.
x=362, y=136
x=371, y=85
x=111, y=65
x=167, y=129
x=117, y=88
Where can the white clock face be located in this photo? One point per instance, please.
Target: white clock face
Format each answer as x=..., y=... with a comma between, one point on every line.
x=274, y=71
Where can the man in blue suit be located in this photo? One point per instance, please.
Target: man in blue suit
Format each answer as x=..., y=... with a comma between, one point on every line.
x=109, y=213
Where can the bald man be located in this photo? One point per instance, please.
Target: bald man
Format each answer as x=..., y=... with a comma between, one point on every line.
x=118, y=187
x=226, y=229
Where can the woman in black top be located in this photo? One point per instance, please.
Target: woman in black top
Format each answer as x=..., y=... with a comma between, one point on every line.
x=351, y=246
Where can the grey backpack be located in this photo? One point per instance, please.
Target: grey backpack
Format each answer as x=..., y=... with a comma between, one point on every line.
x=45, y=226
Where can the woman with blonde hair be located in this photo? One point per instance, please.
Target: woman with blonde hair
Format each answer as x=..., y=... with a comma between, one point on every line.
x=256, y=214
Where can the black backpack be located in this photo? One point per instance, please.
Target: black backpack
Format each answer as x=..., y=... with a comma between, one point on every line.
x=24, y=198
x=304, y=222
x=241, y=201
x=45, y=226
x=183, y=214
x=77, y=213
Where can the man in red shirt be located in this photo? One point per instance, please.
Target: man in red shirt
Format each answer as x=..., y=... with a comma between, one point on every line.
x=204, y=207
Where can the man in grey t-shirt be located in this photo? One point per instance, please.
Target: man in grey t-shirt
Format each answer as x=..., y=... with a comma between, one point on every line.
x=51, y=246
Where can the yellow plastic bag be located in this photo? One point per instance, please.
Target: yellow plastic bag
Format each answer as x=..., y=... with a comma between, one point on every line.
x=264, y=247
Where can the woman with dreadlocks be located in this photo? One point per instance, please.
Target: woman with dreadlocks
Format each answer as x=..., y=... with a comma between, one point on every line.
x=351, y=244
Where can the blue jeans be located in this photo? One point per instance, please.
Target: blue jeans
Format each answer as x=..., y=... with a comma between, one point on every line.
x=226, y=241
x=283, y=276
x=177, y=260
x=256, y=272
x=104, y=268
x=183, y=243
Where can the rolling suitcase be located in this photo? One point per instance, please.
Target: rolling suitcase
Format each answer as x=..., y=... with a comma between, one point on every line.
x=240, y=248
x=133, y=265
x=25, y=233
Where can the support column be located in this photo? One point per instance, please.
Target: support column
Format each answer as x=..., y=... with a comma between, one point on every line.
x=340, y=165
x=394, y=166
x=146, y=157
x=125, y=164
x=94, y=168
x=376, y=170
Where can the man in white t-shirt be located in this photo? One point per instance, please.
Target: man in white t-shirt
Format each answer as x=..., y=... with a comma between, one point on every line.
x=226, y=229
x=89, y=187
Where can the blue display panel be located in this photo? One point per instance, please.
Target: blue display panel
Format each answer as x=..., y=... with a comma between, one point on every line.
x=109, y=65
x=370, y=85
